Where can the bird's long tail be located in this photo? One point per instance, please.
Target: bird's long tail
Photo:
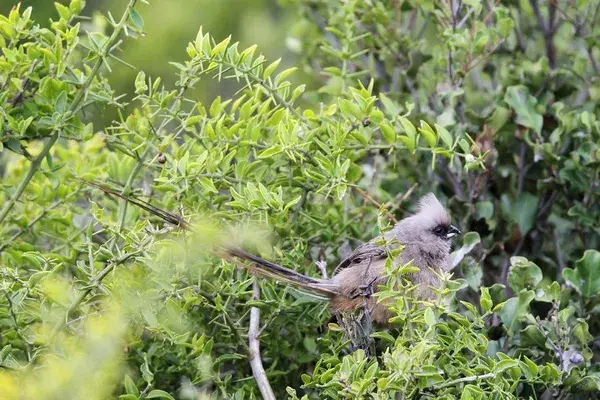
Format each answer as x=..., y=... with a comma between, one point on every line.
x=320, y=288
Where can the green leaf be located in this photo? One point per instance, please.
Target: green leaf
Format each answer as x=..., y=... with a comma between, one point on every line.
x=485, y=300
x=136, y=19
x=485, y=209
x=523, y=274
x=428, y=134
x=383, y=335
x=270, y=152
x=514, y=310
x=585, y=277
x=146, y=373
x=408, y=127
x=63, y=11
x=218, y=49
x=159, y=394
x=408, y=142
x=388, y=132
x=503, y=365
x=130, y=386
x=140, y=83
x=60, y=104
x=128, y=397
x=524, y=212
x=444, y=135
x=392, y=108
x=524, y=105
x=270, y=68
x=284, y=74
x=429, y=317
x=470, y=240
x=504, y=26
x=533, y=336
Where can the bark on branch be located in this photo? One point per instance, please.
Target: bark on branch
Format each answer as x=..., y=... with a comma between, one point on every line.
x=258, y=370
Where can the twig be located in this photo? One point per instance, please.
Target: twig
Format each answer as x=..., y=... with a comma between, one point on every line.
x=557, y=249
x=547, y=29
x=465, y=379
x=17, y=329
x=367, y=197
x=521, y=166
x=258, y=370
x=396, y=203
x=456, y=184
x=24, y=85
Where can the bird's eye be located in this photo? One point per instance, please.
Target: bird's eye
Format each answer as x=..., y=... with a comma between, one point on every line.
x=439, y=230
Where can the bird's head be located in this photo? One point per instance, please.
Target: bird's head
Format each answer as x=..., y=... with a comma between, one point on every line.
x=430, y=228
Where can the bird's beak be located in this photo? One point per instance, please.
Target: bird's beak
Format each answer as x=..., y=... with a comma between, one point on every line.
x=453, y=231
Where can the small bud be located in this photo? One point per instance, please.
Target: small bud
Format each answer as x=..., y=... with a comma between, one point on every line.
x=162, y=158
x=366, y=122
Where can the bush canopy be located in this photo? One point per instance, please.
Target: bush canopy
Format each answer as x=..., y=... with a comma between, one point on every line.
x=491, y=105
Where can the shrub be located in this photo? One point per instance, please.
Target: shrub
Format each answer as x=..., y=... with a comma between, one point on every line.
x=492, y=106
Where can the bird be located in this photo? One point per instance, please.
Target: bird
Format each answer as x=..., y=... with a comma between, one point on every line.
x=425, y=239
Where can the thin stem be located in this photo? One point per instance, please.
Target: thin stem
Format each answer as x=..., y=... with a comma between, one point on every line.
x=465, y=379
x=371, y=200
x=17, y=329
x=258, y=371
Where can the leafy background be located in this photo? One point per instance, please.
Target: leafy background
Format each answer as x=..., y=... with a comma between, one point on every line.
x=492, y=106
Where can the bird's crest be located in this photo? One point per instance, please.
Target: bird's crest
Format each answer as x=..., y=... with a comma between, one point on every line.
x=430, y=207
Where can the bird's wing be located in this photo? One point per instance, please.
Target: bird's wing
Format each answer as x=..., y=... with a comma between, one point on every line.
x=361, y=254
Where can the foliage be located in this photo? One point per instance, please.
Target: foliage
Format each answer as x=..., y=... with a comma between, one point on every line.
x=491, y=106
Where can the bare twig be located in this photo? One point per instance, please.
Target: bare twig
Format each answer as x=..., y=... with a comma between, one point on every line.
x=456, y=184
x=258, y=370
x=367, y=197
x=558, y=250
x=396, y=202
x=547, y=29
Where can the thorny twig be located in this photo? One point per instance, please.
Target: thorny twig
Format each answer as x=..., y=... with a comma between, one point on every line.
x=367, y=197
x=258, y=371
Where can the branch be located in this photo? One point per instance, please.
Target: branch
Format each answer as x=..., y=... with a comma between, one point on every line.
x=400, y=198
x=258, y=370
x=465, y=379
x=547, y=29
x=371, y=200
